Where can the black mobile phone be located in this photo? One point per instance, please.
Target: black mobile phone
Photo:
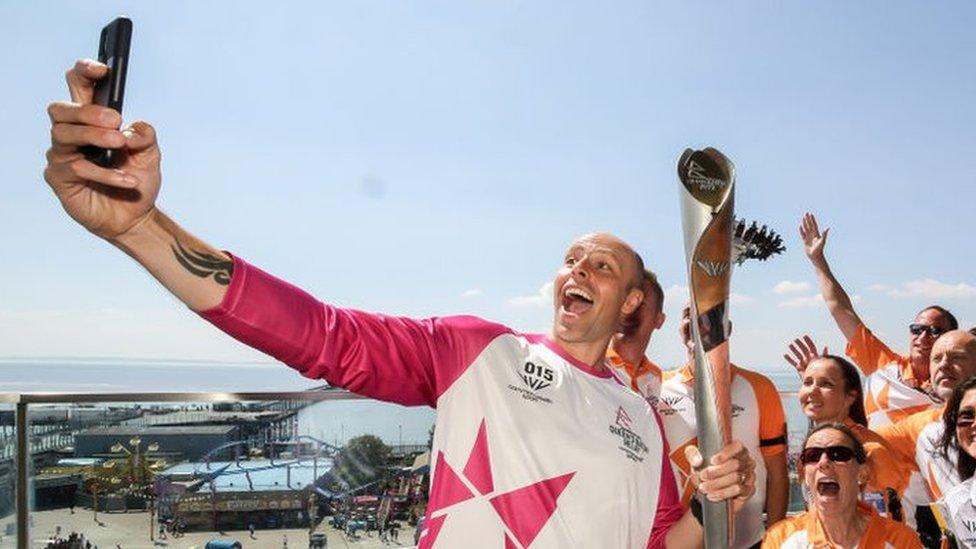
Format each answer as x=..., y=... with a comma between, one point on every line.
x=113, y=50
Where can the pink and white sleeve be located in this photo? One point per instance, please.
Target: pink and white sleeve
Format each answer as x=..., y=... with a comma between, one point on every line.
x=669, y=509
x=395, y=359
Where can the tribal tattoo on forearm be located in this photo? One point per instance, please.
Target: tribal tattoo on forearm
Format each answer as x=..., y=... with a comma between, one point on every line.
x=204, y=265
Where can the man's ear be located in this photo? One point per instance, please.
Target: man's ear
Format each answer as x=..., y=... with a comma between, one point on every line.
x=661, y=317
x=634, y=298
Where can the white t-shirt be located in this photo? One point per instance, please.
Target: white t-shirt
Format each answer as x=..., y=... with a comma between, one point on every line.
x=531, y=447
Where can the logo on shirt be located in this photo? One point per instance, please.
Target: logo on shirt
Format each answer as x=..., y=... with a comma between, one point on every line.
x=632, y=445
x=970, y=525
x=623, y=418
x=737, y=410
x=668, y=405
x=536, y=377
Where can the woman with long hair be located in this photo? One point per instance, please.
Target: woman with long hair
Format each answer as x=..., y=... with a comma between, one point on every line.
x=831, y=392
x=833, y=469
x=958, y=505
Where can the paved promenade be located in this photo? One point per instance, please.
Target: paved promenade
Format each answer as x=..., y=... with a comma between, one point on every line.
x=131, y=531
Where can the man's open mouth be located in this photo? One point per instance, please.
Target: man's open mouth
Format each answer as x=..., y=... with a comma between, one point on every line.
x=576, y=300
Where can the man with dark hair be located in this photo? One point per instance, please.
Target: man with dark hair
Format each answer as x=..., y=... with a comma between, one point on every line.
x=536, y=443
x=626, y=354
x=896, y=385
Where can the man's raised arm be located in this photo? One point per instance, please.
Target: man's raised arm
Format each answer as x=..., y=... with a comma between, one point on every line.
x=838, y=302
x=119, y=204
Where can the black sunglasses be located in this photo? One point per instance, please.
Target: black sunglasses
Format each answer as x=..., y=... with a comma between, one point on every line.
x=965, y=418
x=919, y=329
x=840, y=454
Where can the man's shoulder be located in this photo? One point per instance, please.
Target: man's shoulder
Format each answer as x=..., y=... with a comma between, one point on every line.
x=761, y=386
x=472, y=328
x=930, y=415
x=681, y=372
x=470, y=322
x=914, y=424
x=753, y=377
x=865, y=339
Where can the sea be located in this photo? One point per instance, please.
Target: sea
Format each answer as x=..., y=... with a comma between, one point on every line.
x=332, y=421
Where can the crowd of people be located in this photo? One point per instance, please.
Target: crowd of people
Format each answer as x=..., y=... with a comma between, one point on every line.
x=74, y=540
x=575, y=438
x=891, y=464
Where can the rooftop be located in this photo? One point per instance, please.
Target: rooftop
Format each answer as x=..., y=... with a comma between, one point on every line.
x=129, y=430
x=255, y=474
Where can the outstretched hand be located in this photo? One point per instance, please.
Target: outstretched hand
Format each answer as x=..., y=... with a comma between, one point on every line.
x=731, y=474
x=803, y=351
x=106, y=201
x=813, y=240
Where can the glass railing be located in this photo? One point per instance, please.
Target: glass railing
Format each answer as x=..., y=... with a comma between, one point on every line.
x=321, y=468
x=299, y=469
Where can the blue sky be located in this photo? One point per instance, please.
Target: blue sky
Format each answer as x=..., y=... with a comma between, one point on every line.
x=431, y=158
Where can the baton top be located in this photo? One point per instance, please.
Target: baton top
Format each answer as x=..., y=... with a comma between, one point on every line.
x=708, y=175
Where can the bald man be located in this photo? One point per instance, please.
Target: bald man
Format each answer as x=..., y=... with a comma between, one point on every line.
x=915, y=440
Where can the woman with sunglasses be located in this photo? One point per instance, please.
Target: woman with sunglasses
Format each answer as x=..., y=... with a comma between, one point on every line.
x=833, y=470
x=958, y=506
x=831, y=392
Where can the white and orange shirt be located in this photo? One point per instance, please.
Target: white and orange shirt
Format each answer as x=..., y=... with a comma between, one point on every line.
x=757, y=421
x=644, y=378
x=891, y=390
x=887, y=469
x=958, y=509
x=915, y=440
x=805, y=531
x=532, y=448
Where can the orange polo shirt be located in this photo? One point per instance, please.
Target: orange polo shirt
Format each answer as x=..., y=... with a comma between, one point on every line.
x=805, y=530
x=915, y=443
x=758, y=423
x=891, y=390
x=887, y=470
x=643, y=378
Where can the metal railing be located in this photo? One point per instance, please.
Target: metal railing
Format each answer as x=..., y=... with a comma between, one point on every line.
x=23, y=401
x=25, y=447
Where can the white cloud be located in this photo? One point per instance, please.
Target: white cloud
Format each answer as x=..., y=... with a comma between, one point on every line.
x=542, y=297
x=676, y=293
x=677, y=296
x=472, y=292
x=789, y=287
x=929, y=289
x=802, y=302
x=740, y=299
